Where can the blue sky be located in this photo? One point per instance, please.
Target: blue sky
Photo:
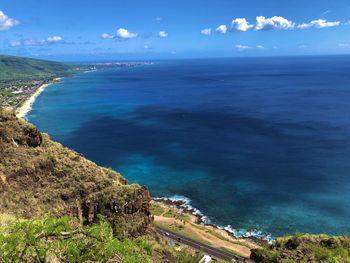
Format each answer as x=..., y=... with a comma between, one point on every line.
x=155, y=29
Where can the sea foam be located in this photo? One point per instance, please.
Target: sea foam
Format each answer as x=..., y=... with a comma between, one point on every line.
x=185, y=203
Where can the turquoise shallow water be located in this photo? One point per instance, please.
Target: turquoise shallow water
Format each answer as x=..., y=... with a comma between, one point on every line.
x=256, y=143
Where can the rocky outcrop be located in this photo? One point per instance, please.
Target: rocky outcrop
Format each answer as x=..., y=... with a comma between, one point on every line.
x=39, y=177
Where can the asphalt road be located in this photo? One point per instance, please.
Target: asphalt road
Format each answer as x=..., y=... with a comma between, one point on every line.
x=211, y=251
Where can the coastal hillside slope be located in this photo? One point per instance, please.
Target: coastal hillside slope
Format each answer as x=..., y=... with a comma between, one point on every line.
x=12, y=67
x=56, y=206
x=305, y=248
x=40, y=177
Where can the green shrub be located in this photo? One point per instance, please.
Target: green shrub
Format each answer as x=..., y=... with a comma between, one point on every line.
x=38, y=240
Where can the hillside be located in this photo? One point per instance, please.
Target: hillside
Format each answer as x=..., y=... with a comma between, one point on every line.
x=305, y=248
x=56, y=206
x=39, y=177
x=12, y=67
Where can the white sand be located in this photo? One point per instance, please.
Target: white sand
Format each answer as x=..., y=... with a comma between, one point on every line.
x=26, y=106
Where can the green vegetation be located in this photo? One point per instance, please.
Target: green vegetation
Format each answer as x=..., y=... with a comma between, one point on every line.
x=20, y=77
x=156, y=209
x=170, y=213
x=305, y=248
x=56, y=206
x=64, y=240
x=39, y=177
x=39, y=240
x=6, y=93
x=26, y=68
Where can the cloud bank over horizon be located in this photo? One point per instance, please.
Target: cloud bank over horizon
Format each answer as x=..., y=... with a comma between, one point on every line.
x=272, y=23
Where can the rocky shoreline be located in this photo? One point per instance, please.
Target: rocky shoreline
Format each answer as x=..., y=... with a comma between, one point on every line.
x=183, y=205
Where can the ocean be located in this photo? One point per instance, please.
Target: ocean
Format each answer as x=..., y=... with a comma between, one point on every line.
x=258, y=145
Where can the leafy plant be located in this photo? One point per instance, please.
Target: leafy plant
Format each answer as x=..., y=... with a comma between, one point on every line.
x=38, y=240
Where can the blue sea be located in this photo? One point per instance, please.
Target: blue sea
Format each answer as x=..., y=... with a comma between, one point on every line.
x=257, y=144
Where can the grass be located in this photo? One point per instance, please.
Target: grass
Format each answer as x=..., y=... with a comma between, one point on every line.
x=170, y=213
x=156, y=209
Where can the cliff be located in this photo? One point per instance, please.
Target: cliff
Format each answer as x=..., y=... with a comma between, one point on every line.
x=40, y=177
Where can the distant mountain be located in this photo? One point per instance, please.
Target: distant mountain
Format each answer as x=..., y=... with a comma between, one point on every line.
x=12, y=67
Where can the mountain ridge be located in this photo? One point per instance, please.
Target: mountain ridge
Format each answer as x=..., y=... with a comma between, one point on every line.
x=13, y=67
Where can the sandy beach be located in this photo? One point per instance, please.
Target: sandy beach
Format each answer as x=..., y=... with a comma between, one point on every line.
x=26, y=106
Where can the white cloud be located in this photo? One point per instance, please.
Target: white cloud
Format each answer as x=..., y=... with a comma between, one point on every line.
x=38, y=42
x=241, y=24
x=347, y=23
x=106, y=36
x=158, y=18
x=146, y=47
x=206, y=31
x=245, y=47
x=222, y=29
x=54, y=39
x=242, y=47
x=162, y=34
x=275, y=22
x=125, y=34
x=6, y=22
x=319, y=23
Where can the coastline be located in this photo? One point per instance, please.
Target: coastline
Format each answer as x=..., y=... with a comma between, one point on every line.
x=183, y=204
x=26, y=105
x=178, y=216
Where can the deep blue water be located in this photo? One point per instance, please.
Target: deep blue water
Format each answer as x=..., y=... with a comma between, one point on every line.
x=255, y=143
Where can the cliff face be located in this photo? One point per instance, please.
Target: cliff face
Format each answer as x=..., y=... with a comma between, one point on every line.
x=39, y=177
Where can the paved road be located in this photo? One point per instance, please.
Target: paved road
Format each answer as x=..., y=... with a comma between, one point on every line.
x=211, y=251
